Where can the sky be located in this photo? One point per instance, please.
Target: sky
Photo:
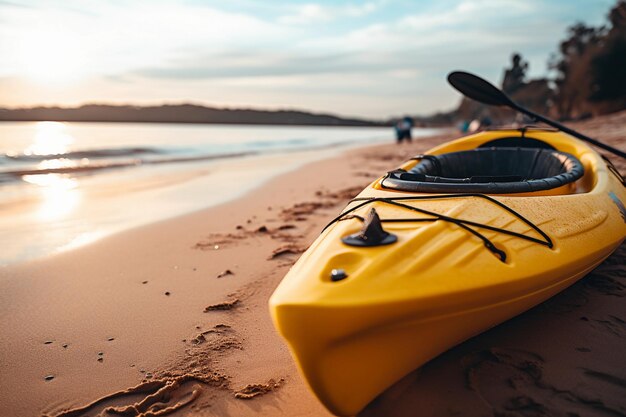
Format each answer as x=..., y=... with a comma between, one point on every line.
x=372, y=59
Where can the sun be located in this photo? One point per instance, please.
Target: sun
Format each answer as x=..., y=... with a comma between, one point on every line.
x=51, y=58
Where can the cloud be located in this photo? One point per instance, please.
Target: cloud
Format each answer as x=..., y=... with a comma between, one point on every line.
x=263, y=64
x=307, y=14
x=468, y=21
x=313, y=13
x=119, y=37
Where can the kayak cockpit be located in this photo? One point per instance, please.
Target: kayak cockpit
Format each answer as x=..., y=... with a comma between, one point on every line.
x=489, y=170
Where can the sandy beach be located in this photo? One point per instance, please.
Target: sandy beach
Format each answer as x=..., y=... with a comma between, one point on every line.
x=171, y=318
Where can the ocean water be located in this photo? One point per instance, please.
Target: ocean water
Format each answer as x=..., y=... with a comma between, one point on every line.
x=67, y=184
x=53, y=147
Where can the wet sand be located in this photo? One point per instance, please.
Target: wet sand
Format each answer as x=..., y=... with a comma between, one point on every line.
x=171, y=319
x=66, y=212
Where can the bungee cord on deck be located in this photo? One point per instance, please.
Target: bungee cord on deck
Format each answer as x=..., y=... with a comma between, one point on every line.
x=467, y=225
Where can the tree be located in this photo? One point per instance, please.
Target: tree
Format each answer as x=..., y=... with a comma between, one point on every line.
x=608, y=66
x=590, y=67
x=572, y=68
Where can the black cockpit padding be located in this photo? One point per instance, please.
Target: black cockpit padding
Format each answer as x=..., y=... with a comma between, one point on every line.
x=495, y=170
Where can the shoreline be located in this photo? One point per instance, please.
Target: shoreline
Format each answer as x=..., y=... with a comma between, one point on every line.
x=169, y=194
x=185, y=301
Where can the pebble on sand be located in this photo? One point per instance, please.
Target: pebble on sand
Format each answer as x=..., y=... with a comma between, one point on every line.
x=225, y=273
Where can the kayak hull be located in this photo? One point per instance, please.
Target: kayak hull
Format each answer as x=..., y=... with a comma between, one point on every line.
x=403, y=304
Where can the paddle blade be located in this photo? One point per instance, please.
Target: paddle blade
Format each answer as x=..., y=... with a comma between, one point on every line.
x=476, y=88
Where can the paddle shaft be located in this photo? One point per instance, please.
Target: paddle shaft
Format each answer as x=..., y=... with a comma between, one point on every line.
x=568, y=130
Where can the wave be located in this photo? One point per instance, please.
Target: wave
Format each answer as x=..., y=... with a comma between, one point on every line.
x=92, y=153
x=78, y=167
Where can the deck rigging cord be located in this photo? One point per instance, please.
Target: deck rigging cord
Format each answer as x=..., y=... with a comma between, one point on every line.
x=467, y=225
x=613, y=169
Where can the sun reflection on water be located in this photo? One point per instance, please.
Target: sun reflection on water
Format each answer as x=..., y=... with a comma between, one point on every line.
x=59, y=195
x=61, y=165
x=51, y=138
x=58, y=192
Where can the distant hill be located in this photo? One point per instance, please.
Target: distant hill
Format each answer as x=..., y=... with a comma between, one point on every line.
x=178, y=113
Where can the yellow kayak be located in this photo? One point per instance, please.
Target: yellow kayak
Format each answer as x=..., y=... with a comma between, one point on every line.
x=447, y=246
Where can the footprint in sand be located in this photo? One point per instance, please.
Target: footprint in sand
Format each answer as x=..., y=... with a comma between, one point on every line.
x=512, y=383
x=605, y=282
x=612, y=324
x=289, y=249
x=226, y=305
x=150, y=398
x=220, y=338
x=254, y=390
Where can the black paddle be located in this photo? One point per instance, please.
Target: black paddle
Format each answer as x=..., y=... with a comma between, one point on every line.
x=476, y=88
